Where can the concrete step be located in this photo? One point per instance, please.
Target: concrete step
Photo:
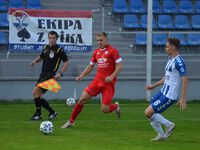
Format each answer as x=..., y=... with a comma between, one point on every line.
x=71, y=7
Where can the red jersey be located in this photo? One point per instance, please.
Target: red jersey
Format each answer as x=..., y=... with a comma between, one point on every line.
x=106, y=59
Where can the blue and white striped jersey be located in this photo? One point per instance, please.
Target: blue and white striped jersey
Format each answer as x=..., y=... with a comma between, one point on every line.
x=174, y=70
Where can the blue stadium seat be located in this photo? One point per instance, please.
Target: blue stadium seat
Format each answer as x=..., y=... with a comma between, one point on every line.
x=131, y=21
x=3, y=39
x=196, y=21
x=197, y=6
x=4, y=20
x=186, y=6
x=120, y=6
x=165, y=22
x=141, y=39
x=16, y=4
x=179, y=36
x=169, y=6
x=34, y=4
x=159, y=39
x=193, y=39
x=137, y=6
x=157, y=8
x=3, y=6
x=144, y=22
x=182, y=22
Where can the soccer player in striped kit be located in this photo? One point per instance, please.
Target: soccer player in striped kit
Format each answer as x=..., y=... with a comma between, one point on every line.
x=109, y=65
x=175, y=72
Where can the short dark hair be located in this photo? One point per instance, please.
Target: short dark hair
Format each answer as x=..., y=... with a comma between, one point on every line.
x=101, y=33
x=175, y=42
x=54, y=33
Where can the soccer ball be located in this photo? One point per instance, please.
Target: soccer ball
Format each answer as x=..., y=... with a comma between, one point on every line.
x=70, y=102
x=46, y=127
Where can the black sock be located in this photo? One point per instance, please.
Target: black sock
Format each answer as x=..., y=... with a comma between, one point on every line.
x=45, y=104
x=38, y=105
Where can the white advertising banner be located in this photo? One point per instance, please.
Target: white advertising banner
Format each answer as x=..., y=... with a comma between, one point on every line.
x=28, y=29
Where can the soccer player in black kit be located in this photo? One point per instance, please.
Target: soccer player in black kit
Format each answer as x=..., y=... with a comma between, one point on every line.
x=51, y=55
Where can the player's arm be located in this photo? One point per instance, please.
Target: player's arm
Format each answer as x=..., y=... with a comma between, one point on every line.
x=36, y=60
x=181, y=68
x=152, y=86
x=64, y=58
x=86, y=71
x=182, y=101
x=64, y=67
x=60, y=73
x=119, y=67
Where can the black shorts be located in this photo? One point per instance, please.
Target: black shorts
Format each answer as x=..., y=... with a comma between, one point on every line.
x=44, y=77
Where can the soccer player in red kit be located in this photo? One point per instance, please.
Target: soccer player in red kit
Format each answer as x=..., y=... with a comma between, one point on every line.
x=109, y=65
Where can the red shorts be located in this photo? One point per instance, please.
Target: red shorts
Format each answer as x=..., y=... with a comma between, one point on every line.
x=107, y=90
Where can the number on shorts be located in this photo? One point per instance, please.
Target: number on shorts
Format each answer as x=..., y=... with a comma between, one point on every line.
x=157, y=102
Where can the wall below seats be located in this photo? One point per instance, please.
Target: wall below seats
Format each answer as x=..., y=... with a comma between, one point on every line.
x=133, y=89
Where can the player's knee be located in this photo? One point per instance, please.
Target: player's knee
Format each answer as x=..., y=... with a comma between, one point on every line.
x=82, y=101
x=34, y=92
x=148, y=113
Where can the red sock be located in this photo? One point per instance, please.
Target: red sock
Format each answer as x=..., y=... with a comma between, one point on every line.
x=112, y=107
x=77, y=109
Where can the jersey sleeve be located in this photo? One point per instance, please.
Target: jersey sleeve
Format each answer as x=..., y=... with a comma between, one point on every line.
x=63, y=56
x=42, y=53
x=93, y=59
x=116, y=56
x=181, y=67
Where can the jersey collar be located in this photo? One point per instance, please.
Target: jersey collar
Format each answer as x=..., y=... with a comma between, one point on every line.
x=174, y=57
x=105, y=48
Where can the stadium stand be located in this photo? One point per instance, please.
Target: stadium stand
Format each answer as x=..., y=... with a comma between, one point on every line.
x=159, y=39
x=137, y=6
x=197, y=6
x=34, y=4
x=16, y=4
x=144, y=22
x=141, y=39
x=179, y=36
x=181, y=22
x=131, y=21
x=185, y=6
x=115, y=13
x=120, y=6
x=165, y=22
x=3, y=39
x=157, y=8
x=193, y=39
x=196, y=21
x=169, y=6
x=3, y=6
x=4, y=20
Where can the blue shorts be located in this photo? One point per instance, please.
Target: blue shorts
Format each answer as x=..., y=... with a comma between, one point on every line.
x=160, y=102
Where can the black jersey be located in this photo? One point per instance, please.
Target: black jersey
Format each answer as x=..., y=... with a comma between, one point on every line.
x=52, y=57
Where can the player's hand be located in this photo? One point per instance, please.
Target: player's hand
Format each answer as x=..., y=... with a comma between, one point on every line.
x=58, y=76
x=108, y=79
x=149, y=87
x=79, y=78
x=32, y=63
x=182, y=103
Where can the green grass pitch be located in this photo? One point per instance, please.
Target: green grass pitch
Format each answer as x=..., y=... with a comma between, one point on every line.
x=95, y=130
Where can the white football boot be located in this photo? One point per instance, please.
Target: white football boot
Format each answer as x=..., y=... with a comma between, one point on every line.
x=169, y=129
x=159, y=138
x=68, y=124
x=118, y=110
